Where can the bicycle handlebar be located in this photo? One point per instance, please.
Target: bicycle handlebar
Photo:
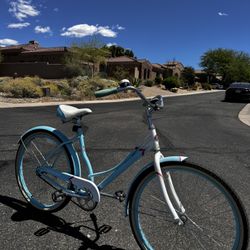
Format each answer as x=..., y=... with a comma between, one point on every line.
x=106, y=92
x=155, y=105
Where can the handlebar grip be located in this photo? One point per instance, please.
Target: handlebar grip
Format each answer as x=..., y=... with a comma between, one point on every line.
x=105, y=92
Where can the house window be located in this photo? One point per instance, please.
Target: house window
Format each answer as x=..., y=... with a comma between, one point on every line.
x=145, y=74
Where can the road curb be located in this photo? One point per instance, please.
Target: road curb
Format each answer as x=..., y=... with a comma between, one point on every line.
x=41, y=104
x=244, y=115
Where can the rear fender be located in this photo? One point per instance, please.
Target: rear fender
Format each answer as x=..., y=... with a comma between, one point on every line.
x=144, y=169
x=72, y=152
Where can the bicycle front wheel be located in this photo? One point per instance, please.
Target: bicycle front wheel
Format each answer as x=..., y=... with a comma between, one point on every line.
x=42, y=148
x=213, y=217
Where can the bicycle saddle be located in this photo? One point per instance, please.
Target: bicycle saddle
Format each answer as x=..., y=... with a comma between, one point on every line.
x=67, y=113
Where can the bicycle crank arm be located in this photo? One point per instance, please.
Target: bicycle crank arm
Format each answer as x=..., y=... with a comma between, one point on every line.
x=81, y=185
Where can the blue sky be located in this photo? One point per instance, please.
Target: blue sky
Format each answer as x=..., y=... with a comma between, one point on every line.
x=159, y=30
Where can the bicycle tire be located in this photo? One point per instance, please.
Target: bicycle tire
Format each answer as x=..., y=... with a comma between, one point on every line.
x=207, y=226
x=36, y=191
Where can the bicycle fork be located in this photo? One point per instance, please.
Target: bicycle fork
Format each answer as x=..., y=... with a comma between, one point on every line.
x=181, y=209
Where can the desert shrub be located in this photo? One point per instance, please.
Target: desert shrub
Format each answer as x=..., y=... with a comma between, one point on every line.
x=158, y=80
x=54, y=90
x=22, y=87
x=171, y=82
x=88, y=87
x=149, y=83
x=64, y=87
x=206, y=86
x=76, y=81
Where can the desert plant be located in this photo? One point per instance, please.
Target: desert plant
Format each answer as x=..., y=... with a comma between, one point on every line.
x=206, y=86
x=22, y=88
x=158, y=80
x=171, y=82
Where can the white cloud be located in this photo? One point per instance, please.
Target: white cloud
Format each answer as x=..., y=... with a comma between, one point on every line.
x=222, y=14
x=18, y=25
x=111, y=44
x=56, y=9
x=8, y=42
x=22, y=9
x=106, y=31
x=120, y=27
x=82, y=30
x=43, y=30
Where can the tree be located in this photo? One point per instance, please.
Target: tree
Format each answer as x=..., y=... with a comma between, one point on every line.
x=120, y=51
x=188, y=76
x=230, y=65
x=120, y=73
x=92, y=52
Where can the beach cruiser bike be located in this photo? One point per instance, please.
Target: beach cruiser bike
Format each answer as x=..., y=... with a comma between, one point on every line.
x=171, y=204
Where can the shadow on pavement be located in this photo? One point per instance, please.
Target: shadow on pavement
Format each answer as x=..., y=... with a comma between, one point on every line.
x=54, y=223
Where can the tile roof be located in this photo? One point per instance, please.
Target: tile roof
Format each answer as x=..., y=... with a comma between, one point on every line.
x=121, y=59
x=31, y=47
x=45, y=50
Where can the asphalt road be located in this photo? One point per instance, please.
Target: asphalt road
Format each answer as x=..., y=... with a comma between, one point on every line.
x=202, y=127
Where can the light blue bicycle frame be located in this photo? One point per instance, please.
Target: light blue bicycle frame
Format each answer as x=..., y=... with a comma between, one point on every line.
x=151, y=143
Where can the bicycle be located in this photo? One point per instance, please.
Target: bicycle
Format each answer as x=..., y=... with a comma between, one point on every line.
x=171, y=203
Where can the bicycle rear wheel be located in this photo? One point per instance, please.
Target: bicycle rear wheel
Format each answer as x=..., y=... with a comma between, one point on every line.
x=213, y=218
x=35, y=150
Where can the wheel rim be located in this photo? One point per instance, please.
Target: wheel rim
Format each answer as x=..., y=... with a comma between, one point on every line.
x=149, y=233
x=34, y=189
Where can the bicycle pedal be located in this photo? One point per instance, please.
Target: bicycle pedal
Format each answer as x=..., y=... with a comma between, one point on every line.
x=120, y=195
x=57, y=196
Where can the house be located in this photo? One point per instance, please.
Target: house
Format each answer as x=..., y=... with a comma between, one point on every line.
x=176, y=68
x=139, y=69
x=161, y=71
x=31, y=59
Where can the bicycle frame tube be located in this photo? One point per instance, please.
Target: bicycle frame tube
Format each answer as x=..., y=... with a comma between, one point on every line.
x=157, y=167
x=116, y=171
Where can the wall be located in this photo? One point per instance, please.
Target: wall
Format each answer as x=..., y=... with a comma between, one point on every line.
x=44, y=70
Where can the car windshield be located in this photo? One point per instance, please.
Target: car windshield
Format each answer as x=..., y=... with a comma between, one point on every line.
x=240, y=85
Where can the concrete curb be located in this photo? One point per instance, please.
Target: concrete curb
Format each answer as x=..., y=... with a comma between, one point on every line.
x=39, y=104
x=244, y=115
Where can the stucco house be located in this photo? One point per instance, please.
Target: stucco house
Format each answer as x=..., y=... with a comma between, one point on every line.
x=139, y=69
x=176, y=68
x=30, y=59
x=33, y=60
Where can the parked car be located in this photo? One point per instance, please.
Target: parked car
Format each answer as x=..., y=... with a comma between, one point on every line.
x=238, y=91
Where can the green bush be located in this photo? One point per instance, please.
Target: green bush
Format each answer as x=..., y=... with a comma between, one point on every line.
x=171, y=82
x=158, y=80
x=88, y=87
x=54, y=91
x=22, y=88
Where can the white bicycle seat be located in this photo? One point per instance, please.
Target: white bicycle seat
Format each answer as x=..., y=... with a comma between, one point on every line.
x=67, y=112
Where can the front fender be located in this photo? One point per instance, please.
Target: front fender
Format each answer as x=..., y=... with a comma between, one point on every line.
x=72, y=152
x=145, y=168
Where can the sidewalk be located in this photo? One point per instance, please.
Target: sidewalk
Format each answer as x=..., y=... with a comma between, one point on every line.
x=147, y=93
x=244, y=115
